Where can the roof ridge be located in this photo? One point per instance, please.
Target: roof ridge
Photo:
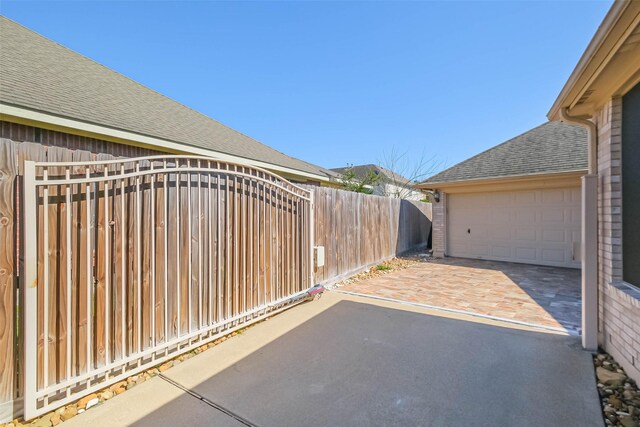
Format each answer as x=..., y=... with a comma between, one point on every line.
x=490, y=162
x=156, y=92
x=488, y=149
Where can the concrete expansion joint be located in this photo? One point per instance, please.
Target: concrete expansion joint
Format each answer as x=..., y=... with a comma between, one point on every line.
x=206, y=401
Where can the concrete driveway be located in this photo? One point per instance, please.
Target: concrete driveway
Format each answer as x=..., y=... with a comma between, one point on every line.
x=352, y=361
x=537, y=295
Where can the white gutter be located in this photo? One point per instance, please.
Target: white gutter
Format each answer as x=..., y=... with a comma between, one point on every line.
x=589, y=232
x=592, y=135
x=149, y=141
x=599, y=38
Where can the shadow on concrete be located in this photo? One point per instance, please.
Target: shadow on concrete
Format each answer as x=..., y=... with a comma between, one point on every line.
x=359, y=364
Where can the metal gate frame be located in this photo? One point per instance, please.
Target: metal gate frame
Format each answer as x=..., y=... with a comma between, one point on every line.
x=39, y=400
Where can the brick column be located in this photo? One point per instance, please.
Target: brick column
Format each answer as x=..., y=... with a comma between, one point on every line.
x=438, y=230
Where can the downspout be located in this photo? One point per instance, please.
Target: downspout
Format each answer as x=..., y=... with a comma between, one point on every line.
x=589, y=232
x=593, y=137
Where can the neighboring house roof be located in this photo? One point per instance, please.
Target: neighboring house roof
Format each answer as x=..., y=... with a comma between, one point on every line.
x=387, y=176
x=38, y=74
x=549, y=148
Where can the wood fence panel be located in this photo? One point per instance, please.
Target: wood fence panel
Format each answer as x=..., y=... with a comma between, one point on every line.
x=160, y=253
x=81, y=234
x=164, y=253
x=8, y=220
x=360, y=230
x=173, y=254
x=232, y=244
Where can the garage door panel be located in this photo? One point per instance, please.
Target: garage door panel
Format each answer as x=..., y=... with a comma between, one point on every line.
x=500, y=232
x=554, y=255
x=525, y=198
x=502, y=216
x=553, y=215
x=526, y=234
x=528, y=254
x=524, y=216
x=554, y=236
x=502, y=252
x=500, y=199
x=553, y=197
x=534, y=226
x=480, y=249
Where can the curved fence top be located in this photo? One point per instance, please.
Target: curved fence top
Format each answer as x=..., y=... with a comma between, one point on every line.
x=60, y=173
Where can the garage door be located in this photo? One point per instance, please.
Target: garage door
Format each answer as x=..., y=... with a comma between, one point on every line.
x=535, y=227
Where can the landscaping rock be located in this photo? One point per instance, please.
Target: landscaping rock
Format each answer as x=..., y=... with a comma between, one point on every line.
x=44, y=421
x=615, y=402
x=620, y=397
x=106, y=395
x=82, y=403
x=55, y=419
x=613, y=379
x=388, y=266
x=92, y=402
x=116, y=386
x=627, y=421
x=165, y=366
x=69, y=412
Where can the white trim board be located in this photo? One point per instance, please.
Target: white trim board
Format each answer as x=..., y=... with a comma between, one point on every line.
x=27, y=114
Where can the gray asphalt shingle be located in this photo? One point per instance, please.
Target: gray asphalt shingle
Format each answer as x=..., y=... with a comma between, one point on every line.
x=38, y=74
x=549, y=148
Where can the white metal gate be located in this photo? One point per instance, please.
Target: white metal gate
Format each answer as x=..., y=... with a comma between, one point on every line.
x=131, y=262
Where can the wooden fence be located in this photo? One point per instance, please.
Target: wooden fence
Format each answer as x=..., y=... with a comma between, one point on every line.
x=134, y=261
x=111, y=306
x=360, y=230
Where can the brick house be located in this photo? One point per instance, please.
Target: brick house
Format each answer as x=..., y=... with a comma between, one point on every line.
x=594, y=155
x=603, y=95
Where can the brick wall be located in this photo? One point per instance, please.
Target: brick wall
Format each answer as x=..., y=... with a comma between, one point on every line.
x=438, y=229
x=619, y=305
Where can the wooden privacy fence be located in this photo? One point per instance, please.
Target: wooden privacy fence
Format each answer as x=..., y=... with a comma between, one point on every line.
x=360, y=230
x=122, y=263
x=132, y=261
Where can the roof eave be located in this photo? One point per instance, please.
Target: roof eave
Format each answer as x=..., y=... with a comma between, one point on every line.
x=479, y=181
x=39, y=118
x=621, y=19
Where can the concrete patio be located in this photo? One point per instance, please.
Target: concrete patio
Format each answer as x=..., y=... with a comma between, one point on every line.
x=546, y=296
x=352, y=361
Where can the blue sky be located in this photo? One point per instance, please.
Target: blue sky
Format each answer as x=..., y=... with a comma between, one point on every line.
x=340, y=82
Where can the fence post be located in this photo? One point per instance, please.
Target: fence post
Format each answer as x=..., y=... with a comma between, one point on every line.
x=30, y=289
x=312, y=265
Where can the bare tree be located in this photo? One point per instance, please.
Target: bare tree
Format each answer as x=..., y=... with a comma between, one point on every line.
x=404, y=169
x=360, y=184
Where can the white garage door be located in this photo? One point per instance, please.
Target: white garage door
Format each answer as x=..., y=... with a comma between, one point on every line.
x=535, y=227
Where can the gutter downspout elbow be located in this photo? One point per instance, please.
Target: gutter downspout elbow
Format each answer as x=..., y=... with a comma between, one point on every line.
x=593, y=137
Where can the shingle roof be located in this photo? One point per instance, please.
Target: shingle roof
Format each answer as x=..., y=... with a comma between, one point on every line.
x=549, y=148
x=39, y=74
x=389, y=176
